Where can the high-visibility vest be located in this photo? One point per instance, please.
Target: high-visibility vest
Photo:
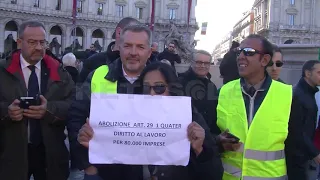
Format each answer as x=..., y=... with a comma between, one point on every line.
x=101, y=85
x=262, y=155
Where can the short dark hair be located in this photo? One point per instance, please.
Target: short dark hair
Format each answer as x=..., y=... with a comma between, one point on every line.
x=26, y=24
x=235, y=44
x=267, y=47
x=175, y=88
x=125, y=22
x=276, y=49
x=308, y=66
x=138, y=28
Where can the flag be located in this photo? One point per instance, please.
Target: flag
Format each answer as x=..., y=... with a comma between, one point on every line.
x=204, y=28
x=74, y=12
x=152, y=15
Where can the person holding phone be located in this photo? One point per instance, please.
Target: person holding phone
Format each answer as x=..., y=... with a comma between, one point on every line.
x=35, y=94
x=254, y=135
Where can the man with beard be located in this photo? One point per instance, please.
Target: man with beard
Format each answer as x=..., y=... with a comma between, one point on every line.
x=112, y=53
x=32, y=135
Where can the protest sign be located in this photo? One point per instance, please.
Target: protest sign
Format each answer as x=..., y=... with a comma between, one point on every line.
x=139, y=129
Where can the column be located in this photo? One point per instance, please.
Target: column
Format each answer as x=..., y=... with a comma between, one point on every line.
x=88, y=38
x=1, y=37
x=162, y=9
x=68, y=36
x=109, y=37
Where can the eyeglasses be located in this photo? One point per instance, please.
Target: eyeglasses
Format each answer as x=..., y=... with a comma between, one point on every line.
x=171, y=46
x=200, y=63
x=278, y=63
x=158, y=89
x=247, y=51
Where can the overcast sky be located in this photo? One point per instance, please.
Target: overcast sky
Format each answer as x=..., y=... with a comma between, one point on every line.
x=221, y=16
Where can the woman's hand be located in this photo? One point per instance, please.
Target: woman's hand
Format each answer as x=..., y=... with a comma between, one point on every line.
x=196, y=135
x=85, y=134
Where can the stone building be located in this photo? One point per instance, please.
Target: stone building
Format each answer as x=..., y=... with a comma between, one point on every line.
x=96, y=19
x=243, y=27
x=280, y=21
x=288, y=21
x=222, y=48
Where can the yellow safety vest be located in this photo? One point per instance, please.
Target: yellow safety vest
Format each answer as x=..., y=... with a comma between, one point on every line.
x=101, y=85
x=262, y=155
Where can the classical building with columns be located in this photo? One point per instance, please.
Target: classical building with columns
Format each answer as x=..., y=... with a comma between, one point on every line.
x=96, y=19
x=288, y=21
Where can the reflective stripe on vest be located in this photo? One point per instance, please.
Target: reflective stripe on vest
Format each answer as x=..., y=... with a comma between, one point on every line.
x=236, y=172
x=100, y=85
x=262, y=154
x=268, y=178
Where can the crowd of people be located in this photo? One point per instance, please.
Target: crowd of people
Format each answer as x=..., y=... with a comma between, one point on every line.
x=255, y=127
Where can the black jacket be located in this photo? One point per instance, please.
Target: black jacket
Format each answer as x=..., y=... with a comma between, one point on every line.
x=96, y=60
x=302, y=124
x=229, y=67
x=80, y=110
x=172, y=57
x=207, y=166
x=204, y=96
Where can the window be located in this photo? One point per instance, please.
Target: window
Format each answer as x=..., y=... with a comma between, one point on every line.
x=172, y=13
x=36, y=3
x=292, y=2
x=100, y=9
x=79, y=6
x=139, y=13
x=58, y=7
x=119, y=10
x=13, y=1
x=291, y=20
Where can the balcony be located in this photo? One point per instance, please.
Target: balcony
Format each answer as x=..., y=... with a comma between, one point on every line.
x=304, y=28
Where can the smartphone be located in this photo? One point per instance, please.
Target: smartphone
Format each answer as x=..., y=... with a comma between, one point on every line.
x=233, y=137
x=25, y=102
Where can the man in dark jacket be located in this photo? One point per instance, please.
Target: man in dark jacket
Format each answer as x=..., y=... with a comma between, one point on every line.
x=170, y=55
x=112, y=53
x=301, y=154
x=125, y=72
x=154, y=53
x=32, y=137
x=228, y=67
x=197, y=84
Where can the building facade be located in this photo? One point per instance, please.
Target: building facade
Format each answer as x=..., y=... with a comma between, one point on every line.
x=288, y=21
x=222, y=48
x=96, y=19
x=243, y=27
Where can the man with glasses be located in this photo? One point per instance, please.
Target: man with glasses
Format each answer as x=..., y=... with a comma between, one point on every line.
x=170, y=54
x=35, y=97
x=275, y=66
x=253, y=114
x=203, y=92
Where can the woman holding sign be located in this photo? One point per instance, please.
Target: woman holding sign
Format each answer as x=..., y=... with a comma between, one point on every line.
x=204, y=163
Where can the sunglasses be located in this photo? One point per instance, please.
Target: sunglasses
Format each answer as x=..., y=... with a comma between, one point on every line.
x=158, y=89
x=247, y=51
x=278, y=63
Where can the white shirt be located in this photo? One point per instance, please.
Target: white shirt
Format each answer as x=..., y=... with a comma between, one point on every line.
x=27, y=72
x=130, y=79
